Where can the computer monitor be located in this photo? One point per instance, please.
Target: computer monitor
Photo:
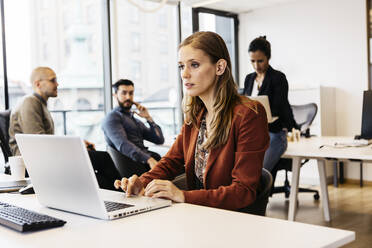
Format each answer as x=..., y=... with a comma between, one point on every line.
x=367, y=115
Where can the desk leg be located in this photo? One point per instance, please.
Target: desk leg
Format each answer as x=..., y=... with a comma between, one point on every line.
x=296, y=164
x=324, y=189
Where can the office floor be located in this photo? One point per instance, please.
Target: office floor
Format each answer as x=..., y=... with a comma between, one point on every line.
x=350, y=206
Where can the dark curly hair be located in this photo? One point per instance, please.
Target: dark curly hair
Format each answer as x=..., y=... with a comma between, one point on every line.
x=260, y=44
x=121, y=82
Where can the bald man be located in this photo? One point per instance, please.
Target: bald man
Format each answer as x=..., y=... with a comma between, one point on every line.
x=31, y=114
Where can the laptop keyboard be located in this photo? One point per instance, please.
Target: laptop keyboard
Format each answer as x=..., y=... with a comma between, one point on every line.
x=113, y=206
x=24, y=220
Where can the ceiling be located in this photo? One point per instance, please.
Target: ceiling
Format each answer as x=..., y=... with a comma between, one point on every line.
x=236, y=6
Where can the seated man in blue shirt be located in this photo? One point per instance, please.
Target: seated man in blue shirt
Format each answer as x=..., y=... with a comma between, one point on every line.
x=125, y=133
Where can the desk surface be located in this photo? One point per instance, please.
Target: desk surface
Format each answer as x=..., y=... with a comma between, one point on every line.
x=181, y=225
x=310, y=148
x=320, y=148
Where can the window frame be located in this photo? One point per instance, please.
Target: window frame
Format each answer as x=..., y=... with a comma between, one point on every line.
x=234, y=16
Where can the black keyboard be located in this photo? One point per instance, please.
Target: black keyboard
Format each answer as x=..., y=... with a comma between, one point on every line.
x=23, y=220
x=112, y=206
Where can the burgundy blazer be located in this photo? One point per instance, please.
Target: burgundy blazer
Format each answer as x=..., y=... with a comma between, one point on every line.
x=233, y=170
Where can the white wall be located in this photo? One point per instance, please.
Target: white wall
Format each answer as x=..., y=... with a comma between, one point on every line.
x=318, y=42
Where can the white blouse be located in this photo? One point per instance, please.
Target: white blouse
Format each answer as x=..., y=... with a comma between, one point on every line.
x=256, y=84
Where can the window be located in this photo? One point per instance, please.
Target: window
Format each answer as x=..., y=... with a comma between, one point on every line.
x=59, y=38
x=66, y=35
x=91, y=13
x=223, y=23
x=186, y=20
x=134, y=14
x=135, y=42
x=154, y=69
x=83, y=104
x=2, y=84
x=162, y=19
x=369, y=31
x=164, y=72
x=45, y=52
x=163, y=44
x=135, y=70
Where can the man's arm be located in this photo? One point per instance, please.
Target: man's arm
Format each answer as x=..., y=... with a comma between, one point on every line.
x=154, y=133
x=115, y=132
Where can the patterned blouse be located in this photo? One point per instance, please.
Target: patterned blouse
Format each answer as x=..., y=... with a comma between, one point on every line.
x=201, y=154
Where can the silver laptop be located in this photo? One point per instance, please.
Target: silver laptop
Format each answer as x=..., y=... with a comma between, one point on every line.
x=264, y=100
x=63, y=178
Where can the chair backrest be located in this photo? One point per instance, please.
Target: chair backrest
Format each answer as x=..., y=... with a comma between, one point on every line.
x=262, y=197
x=4, y=133
x=104, y=168
x=120, y=160
x=304, y=115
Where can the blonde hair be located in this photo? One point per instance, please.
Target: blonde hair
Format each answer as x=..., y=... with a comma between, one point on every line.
x=226, y=93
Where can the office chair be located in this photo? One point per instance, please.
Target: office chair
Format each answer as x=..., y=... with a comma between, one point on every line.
x=304, y=116
x=4, y=137
x=104, y=169
x=120, y=162
x=262, y=197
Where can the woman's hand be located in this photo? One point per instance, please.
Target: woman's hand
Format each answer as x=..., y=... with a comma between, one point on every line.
x=164, y=189
x=132, y=186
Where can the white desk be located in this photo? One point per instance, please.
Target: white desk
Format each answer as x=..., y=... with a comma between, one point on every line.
x=310, y=148
x=8, y=184
x=181, y=225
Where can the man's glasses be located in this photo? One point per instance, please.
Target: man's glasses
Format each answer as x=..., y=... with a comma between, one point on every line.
x=53, y=80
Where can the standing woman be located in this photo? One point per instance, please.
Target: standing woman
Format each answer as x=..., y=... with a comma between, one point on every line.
x=267, y=81
x=222, y=142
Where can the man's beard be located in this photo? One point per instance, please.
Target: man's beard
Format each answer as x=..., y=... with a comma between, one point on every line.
x=126, y=107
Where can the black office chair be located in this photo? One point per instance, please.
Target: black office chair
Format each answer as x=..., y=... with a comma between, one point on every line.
x=104, y=169
x=262, y=197
x=304, y=116
x=4, y=137
x=120, y=161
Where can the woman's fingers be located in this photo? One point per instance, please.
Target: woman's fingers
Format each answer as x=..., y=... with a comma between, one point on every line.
x=164, y=189
x=163, y=194
x=117, y=184
x=156, y=188
x=124, y=184
x=133, y=186
x=155, y=183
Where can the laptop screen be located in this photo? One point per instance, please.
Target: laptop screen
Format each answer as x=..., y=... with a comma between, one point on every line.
x=367, y=115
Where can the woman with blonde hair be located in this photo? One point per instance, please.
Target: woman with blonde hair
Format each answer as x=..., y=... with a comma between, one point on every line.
x=222, y=142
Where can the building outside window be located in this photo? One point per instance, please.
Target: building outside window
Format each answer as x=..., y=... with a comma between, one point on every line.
x=135, y=42
x=154, y=68
x=56, y=34
x=66, y=35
